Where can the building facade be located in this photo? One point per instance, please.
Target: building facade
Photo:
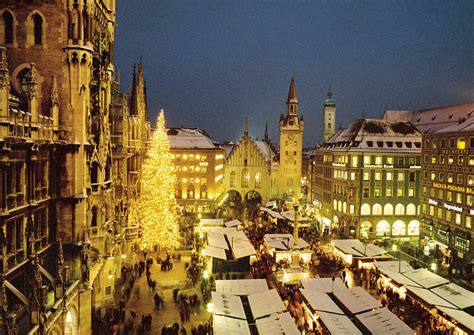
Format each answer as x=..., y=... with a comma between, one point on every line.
x=367, y=180
x=199, y=169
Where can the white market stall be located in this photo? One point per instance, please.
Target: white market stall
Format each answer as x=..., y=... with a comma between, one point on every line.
x=326, y=285
x=353, y=251
x=338, y=324
x=222, y=325
x=280, y=247
x=277, y=323
x=228, y=305
x=241, y=286
x=265, y=303
x=357, y=300
x=381, y=321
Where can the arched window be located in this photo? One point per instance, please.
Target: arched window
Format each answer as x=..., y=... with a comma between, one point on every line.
x=94, y=216
x=8, y=26
x=365, y=209
x=339, y=205
x=232, y=179
x=399, y=228
x=388, y=209
x=399, y=209
x=245, y=178
x=411, y=209
x=258, y=180
x=377, y=209
x=38, y=29
x=414, y=228
x=23, y=78
x=334, y=204
x=366, y=228
x=382, y=228
x=95, y=173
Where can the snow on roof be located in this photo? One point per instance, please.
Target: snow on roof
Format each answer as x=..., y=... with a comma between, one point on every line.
x=460, y=316
x=398, y=277
x=217, y=240
x=265, y=303
x=232, y=223
x=223, y=325
x=320, y=301
x=323, y=284
x=278, y=323
x=339, y=324
x=382, y=321
x=228, y=305
x=241, y=286
x=265, y=149
x=425, y=278
x=356, y=248
x=356, y=299
x=455, y=294
x=429, y=297
x=393, y=266
x=284, y=241
x=189, y=138
x=240, y=244
x=229, y=239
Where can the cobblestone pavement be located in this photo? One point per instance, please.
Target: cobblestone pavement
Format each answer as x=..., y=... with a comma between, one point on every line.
x=166, y=282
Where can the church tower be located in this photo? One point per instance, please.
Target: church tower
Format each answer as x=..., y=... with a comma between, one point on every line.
x=329, y=116
x=291, y=144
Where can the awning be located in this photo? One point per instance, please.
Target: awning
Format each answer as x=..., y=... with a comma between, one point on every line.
x=382, y=321
x=278, y=323
x=265, y=303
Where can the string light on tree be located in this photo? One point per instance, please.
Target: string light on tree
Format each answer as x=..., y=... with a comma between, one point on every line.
x=157, y=207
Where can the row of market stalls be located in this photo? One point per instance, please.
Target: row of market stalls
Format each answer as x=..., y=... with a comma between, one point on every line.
x=359, y=254
x=248, y=306
x=332, y=308
x=287, y=216
x=451, y=303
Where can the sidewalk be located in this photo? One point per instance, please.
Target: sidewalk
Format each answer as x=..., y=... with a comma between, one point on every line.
x=166, y=282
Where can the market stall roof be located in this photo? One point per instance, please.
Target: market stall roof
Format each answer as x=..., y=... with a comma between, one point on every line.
x=455, y=294
x=241, y=286
x=274, y=214
x=240, y=244
x=460, y=316
x=223, y=325
x=271, y=204
x=429, y=297
x=339, y=324
x=357, y=300
x=212, y=251
x=229, y=239
x=232, y=223
x=284, y=241
x=228, y=305
x=212, y=222
x=404, y=266
x=320, y=301
x=278, y=323
x=323, y=284
x=382, y=321
x=399, y=278
x=216, y=239
x=357, y=248
x=290, y=216
x=265, y=303
x=425, y=278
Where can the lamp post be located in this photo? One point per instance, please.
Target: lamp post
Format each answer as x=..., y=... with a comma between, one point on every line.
x=395, y=248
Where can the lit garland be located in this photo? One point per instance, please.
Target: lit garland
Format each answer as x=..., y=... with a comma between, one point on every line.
x=157, y=207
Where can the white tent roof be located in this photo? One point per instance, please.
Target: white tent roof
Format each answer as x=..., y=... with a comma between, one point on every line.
x=238, y=241
x=217, y=240
x=212, y=251
x=399, y=278
x=240, y=244
x=223, y=325
x=265, y=303
x=404, y=266
x=241, y=286
x=232, y=223
x=425, y=278
x=429, y=297
x=455, y=294
x=272, y=213
x=356, y=299
x=323, y=284
x=212, y=222
x=383, y=322
x=339, y=324
x=357, y=248
x=290, y=215
x=284, y=241
x=320, y=301
x=228, y=305
x=460, y=316
x=277, y=324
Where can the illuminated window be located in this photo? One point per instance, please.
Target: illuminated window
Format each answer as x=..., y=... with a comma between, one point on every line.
x=388, y=190
x=258, y=180
x=400, y=191
x=469, y=201
x=468, y=222
x=433, y=175
x=388, y=209
x=439, y=213
x=470, y=160
x=398, y=228
x=448, y=215
x=382, y=228
x=366, y=176
x=459, y=198
x=433, y=159
x=378, y=160
x=245, y=178
x=449, y=196
x=377, y=192
x=389, y=175
x=458, y=219
x=414, y=228
x=376, y=209
x=440, y=194
x=351, y=209
x=401, y=176
x=399, y=209
x=378, y=175
x=450, y=159
x=365, y=209
x=461, y=143
x=367, y=160
x=411, y=209
x=432, y=210
x=353, y=175
x=450, y=178
x=389, y=160
x=355, y=161
x=470, y=179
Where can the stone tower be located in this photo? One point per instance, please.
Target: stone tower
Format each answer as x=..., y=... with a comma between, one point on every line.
x=291, y=143
x=329, y=116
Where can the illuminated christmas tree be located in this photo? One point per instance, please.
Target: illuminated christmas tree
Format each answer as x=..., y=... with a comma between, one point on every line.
x=157, y=206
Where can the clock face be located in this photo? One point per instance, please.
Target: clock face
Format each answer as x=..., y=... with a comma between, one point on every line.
x=290, y=137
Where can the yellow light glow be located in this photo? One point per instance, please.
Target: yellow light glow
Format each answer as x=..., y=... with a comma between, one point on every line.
x=210, y=307
x=461, y=144
x=219, y=167
x=203, y=252
x=433, y=266
x=219, y=156
x=394, y=247
x=198, y=169
x=185, y=157
x=124, y=256
x=205, y=274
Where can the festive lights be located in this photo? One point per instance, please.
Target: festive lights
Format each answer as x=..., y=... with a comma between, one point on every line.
x=157, y=206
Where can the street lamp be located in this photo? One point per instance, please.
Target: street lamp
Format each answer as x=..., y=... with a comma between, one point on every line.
x=395, y=249
x=433, y=267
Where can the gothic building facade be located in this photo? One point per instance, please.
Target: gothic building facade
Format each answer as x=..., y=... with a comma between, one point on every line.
x=59, y=236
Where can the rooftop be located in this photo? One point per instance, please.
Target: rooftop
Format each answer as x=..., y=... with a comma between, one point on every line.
x=189, y=138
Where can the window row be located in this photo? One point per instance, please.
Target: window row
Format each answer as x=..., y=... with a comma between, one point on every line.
x=387, y=191
x=245, y=179
x=190, y=157
x=383, y=228
x=34, y=27
x=460, y=143
x=447, y=215
x=448, y=196
x=388, y=209
x=191, y=193
x=448, y=177
x=191, y=169
x=459, y=159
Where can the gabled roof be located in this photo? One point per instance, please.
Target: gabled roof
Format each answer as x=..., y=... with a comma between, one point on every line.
x=189, y=138
x=292, y=98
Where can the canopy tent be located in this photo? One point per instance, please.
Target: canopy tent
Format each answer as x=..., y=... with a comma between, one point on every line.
x=217, y=239
x=228, y=305
x=265, y=303
x=399, y=278
x=211, y=222
x=455, y=294
x=223, y=325
x=278, y=323
x=240, y=244
x=460, y=316
x=383, y=322
x=228, y=239
x=232, y=223
x=241, y=286
x=338, y=324
x=290, y=216
x=320, y=301
x=393, y=266
x=212, y=251
x=284, y=242
x=326, y=285
x=358, y=249
x=429, y=297
x=425, y=278
x=356, y=299
x=273, y=214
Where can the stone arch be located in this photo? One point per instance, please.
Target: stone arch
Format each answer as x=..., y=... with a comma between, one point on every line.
x=377, y=209
x=8, y=23
x=382, y=228
x=15, y=80
x=365, y=209
x=399, y=228
x=71, y=321
x=413, y=228
x=365, y=230
x=399, y=209
x=32, y=21
x=55, y=330
x=411, y=209
x=388, y=209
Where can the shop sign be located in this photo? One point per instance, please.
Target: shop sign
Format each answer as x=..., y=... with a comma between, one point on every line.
x=450, y=187
x=339, y=164
x=453, y=208
x=432, y=202
x=415, y=167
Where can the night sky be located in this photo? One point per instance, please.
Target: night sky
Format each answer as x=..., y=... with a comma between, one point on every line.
x=211, y=63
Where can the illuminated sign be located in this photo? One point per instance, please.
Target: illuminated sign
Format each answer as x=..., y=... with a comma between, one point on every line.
x=454, y=208
x=471, y=212
x=432, y=202
x=415, y=167
x=339, y=164
x=456, y=188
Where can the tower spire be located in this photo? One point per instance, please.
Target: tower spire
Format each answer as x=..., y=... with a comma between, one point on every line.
x=246, y=128
x=266, y=132
x=292, y=98
x=329, y=92
x=133, y=98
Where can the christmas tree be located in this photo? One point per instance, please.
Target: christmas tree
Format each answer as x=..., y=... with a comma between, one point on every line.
x=157, y=207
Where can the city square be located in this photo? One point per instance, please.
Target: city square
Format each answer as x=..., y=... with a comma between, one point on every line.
x=253, y=167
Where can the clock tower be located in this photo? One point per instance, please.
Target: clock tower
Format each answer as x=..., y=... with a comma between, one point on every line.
x=291, y=145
